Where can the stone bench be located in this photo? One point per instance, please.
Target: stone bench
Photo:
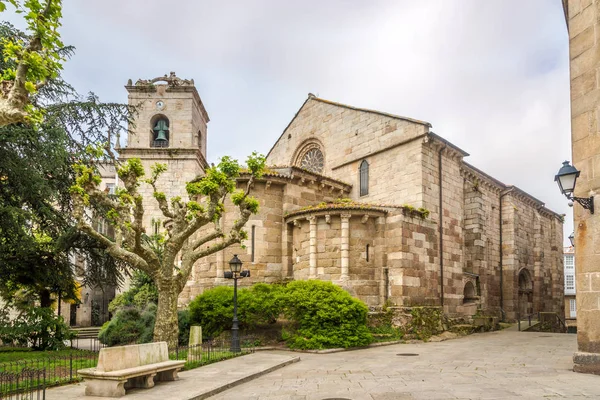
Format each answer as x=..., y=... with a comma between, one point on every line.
x=123, y=367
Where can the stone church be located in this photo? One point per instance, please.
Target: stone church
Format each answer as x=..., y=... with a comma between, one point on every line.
x=371, y=201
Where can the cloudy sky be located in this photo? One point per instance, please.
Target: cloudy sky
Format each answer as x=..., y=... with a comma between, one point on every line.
x=491, y=76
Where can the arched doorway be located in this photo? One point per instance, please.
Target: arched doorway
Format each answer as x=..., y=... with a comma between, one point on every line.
x=525, y=301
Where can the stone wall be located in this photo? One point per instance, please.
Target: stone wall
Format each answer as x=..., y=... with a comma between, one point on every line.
x=394, y=176
x=452, y=213
x=583, y=21
x=412, y=261
x=481, y=240
x=340, y=246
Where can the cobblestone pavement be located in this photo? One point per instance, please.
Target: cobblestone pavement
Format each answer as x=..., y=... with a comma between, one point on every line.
x=495, y=365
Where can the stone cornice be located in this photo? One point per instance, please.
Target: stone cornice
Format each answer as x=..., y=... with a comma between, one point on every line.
x=328, y=212
x=168, y=153
x=321, y=184
x=475, y=175
x=302, y=177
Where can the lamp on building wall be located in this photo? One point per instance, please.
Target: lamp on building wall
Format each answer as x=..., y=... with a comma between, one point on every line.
x=572, y=239
x=235, y=265
x=566, y=178
x=87, y=297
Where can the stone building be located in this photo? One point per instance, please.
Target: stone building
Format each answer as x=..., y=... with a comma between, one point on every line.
x=374, y=202
x=583, y=25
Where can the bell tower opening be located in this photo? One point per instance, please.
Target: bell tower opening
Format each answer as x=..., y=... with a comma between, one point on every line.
x=160, y=131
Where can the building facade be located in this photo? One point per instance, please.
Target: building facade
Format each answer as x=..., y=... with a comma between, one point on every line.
x=570, y=286
x=583, y=23
x=374, y=202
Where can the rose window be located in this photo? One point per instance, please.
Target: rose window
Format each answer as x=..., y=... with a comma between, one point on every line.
x=313, y=161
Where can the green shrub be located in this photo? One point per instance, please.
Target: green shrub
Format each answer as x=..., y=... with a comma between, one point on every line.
x=183, y=319
x=37, y=327
x=213, y=309
x=129, y=325
x=325, y=315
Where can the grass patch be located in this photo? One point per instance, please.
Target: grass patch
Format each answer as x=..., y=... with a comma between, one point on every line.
x=204, y=356
x=17, y=354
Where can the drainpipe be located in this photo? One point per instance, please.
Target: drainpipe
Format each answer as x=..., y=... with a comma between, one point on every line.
x=441, y=227
x=501, y=261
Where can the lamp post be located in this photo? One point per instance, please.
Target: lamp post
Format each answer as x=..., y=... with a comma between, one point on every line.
x=567, y=178
x=572, y=239
x=235, y=265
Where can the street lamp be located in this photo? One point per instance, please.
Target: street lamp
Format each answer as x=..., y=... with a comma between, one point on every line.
x=235, y=265
x=572, y=239
x=566, y=178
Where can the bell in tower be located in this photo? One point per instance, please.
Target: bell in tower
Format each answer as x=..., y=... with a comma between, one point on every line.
x=161, y=133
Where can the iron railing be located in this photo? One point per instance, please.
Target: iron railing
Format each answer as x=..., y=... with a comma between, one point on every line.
x=211, y=351
x=27, y=384
x=57, y=370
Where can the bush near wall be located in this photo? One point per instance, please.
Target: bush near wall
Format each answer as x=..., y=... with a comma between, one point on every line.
x=258, y=305
x=320, y=314
x=326, y=316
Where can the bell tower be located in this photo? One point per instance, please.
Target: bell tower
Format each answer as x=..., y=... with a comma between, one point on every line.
x=169, y=128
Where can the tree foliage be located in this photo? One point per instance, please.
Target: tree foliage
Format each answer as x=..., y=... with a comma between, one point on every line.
x=36, y=59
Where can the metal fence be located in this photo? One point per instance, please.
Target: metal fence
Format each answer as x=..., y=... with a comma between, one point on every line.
x=211, y=351
x=56, y=370
x=27, y=384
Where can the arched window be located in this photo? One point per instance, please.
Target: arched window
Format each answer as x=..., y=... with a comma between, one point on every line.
x=160, y=131
x=364, y=178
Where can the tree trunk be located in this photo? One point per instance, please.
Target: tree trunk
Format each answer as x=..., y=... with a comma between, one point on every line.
x=166, y=327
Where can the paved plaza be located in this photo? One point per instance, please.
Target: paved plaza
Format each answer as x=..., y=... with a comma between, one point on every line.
x=495, y=365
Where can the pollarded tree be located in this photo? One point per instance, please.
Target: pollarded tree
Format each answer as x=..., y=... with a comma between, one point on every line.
x=193, y=226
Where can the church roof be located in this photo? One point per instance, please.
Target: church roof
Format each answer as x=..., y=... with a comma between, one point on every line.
x=416, y=121
x=366, y=110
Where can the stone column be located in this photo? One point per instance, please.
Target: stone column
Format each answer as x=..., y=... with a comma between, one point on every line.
x=345, y=246
x=313, y=247
x=584, y=50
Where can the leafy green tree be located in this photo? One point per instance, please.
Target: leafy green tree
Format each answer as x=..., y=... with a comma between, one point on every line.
x=37, y=229
x=193, y=230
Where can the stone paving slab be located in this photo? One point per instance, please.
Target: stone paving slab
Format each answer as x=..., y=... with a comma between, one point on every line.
x=195, y=384
x=495, y=365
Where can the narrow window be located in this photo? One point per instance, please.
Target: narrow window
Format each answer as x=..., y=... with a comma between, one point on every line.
x=253, y=237
x=367, y=253
x=364, y=178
